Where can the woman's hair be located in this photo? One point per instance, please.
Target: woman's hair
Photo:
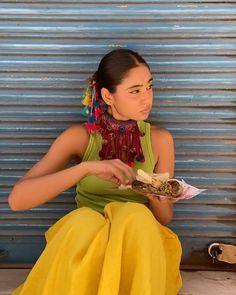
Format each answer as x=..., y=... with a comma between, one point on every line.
x=114, y=66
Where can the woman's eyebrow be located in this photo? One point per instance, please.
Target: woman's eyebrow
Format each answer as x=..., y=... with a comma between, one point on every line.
x=134, y=86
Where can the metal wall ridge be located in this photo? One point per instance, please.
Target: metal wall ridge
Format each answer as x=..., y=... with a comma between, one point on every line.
x=104, y=12
x=87, y=2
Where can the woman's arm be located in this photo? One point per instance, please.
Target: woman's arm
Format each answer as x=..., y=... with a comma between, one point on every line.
x=163, y=149
x=50, y=176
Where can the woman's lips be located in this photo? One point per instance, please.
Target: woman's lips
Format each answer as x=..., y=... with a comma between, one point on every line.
x=146, y=110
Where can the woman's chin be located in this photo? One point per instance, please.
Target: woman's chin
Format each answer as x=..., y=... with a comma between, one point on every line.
x=143, y=116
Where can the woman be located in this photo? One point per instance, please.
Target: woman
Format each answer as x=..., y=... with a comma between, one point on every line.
x=116, y=242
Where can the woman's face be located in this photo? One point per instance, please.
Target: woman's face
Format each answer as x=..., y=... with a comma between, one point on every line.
x=134, y=96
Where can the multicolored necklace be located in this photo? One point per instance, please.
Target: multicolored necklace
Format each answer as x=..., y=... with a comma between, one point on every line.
x=120, y=139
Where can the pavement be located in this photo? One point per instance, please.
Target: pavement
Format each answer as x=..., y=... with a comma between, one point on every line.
x=194, y=282
x=208, y=283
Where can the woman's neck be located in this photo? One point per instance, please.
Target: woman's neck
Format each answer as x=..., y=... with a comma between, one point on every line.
x=112, y=111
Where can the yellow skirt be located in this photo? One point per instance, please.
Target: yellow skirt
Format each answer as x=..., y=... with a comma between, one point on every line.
x=125, y=252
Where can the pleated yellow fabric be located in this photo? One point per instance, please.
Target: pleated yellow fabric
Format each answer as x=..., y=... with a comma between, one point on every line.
x=126, y=251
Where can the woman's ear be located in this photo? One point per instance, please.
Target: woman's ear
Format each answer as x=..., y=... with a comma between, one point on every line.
x=107, y=96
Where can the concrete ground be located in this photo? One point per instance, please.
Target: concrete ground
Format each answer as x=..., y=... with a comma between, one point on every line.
x=194, y=282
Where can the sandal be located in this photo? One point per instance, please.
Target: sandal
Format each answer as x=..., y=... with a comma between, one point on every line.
x=222, y=252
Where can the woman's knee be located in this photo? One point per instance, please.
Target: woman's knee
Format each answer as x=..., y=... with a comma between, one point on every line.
x=139, y=214
x=138, y=208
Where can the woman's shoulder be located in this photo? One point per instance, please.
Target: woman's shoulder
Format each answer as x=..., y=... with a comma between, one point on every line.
x=76, y=138
x=161, y=140
x=160, y=132
x=163, y=149
x=77, y=128
x=76, y=132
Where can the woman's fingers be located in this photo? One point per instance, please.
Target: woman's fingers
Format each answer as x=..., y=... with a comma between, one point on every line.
x=115, y=180
x=123, y=172
x=112, y=170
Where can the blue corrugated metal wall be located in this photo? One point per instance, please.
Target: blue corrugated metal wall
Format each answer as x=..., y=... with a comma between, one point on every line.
x=47, y=51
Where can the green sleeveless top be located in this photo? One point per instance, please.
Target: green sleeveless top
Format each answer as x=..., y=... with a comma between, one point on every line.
x=95, y=192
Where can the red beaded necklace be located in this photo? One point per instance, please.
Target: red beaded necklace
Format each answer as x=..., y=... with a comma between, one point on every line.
x=120, y=139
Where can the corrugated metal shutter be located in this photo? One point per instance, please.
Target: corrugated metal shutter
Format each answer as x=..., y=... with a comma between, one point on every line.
x=47, y=51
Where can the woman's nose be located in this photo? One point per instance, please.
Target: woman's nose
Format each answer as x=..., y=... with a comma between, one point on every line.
x=147, y=95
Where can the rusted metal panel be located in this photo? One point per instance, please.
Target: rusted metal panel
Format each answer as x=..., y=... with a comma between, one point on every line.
x=48, y=49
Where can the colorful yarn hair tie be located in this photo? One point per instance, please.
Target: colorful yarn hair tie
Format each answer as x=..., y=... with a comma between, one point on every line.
x=94, y=106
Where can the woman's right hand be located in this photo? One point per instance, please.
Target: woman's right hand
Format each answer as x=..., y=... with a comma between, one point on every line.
x=112, y=170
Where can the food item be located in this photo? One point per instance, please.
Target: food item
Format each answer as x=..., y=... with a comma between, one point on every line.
x=157, y=184
x=155, y=179
x=160, y=185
